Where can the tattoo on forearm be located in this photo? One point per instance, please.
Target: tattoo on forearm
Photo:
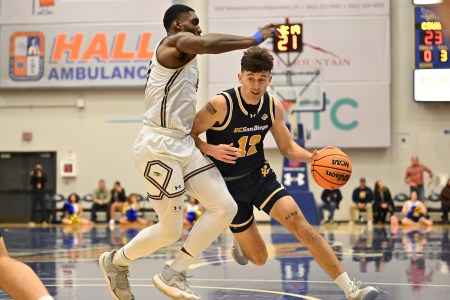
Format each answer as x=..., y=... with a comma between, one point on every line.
x=210, y=109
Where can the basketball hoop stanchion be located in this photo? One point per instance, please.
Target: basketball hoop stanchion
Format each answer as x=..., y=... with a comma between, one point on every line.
x=292, y=87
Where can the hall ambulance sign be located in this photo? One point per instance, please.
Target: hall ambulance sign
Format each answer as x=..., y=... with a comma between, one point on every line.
x=73, y=56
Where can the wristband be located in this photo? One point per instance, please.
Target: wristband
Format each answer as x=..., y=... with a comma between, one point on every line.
x=258, y=37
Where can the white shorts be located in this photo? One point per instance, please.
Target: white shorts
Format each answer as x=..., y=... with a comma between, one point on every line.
x=167, y=159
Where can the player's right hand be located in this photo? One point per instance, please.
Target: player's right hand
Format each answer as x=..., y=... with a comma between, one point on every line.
x=226, y=153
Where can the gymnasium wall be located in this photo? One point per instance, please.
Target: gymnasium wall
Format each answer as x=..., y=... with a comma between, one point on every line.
x=99, y=125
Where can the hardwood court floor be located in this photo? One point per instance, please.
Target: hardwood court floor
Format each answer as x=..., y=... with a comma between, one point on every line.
x=402, y=265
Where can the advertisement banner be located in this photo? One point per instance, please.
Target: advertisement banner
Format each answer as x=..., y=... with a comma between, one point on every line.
x=56, y=56
x=355, y=116
x=80, y=11
x=345, y=49
x=336, y=83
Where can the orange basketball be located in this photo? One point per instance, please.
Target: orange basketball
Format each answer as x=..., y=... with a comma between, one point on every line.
x=331, y=168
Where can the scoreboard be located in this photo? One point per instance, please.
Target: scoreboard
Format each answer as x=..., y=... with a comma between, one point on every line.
x=431, y=56
x=432, y=47
x=290, y=38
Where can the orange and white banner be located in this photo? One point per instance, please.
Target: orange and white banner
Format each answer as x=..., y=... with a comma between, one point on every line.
x=77, y=55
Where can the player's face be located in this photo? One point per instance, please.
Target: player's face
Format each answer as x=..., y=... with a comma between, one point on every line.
x=189, y=22
x=254, y=84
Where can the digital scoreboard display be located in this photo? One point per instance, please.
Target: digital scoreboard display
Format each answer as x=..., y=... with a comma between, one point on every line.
x=290, y=39
x=431, y=56
x=431, y=45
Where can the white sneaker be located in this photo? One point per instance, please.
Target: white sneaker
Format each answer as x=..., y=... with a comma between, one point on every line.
x=116, y=277
x=237, y=254
x=174, y=285
x=367, y=293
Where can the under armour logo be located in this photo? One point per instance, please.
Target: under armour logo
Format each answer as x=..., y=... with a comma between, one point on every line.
x=265, y=170
x=288, y=179
x=157, y=174
x=177, y=208
x=252, y=115
x=177, y=187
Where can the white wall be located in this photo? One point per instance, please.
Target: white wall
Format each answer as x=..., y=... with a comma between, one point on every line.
x=104, y=149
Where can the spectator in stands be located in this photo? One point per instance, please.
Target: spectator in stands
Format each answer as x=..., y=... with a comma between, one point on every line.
x=101, y=197
x=118, y=199
x=18, y=280
x=415, y=212
x=130, y=212
x=362, y=200
x=38, y=179
x=414, y=177
x=382, y=202
x=445, y=200
x=73, y=211
x=330, y=201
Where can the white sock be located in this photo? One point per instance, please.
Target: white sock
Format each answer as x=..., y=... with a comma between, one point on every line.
x=120, y=258
x=344, y=282
x=181, y=262
x=48, y=297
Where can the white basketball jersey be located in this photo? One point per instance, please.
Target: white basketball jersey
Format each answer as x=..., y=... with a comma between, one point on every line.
x=170, y=96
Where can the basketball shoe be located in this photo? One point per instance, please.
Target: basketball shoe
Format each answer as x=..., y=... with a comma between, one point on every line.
x=367, y=293
x=116, y=277
x=237, y=254
x=174, y=285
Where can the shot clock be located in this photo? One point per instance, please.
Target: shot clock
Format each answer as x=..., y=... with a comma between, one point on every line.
x=290, y=39
x=431, y=56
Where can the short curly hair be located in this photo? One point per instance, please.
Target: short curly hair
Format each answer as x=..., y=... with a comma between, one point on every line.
x=257, y=59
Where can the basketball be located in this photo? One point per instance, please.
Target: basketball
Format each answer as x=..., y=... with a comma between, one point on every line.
x=331, y=169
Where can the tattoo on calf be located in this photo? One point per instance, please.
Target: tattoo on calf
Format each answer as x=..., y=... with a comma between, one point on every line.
x=210, y=108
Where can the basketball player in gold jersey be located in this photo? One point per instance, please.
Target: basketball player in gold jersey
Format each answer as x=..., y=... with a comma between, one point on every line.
x=242, y=117
x=166, y=156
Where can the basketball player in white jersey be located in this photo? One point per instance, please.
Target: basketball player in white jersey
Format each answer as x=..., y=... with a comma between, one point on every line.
x=168, y=159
